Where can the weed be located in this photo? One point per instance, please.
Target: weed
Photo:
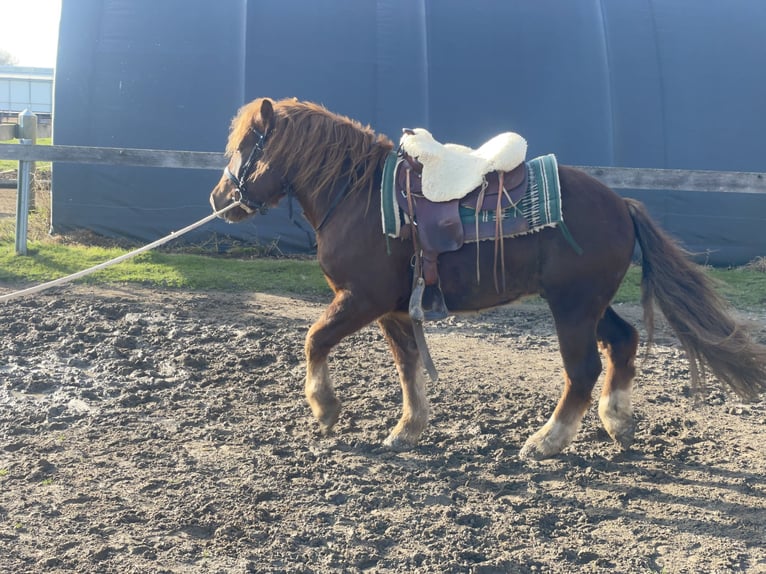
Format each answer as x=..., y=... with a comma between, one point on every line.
x=758, y=264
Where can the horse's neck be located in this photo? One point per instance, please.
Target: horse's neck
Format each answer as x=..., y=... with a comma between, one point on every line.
x=321, y=206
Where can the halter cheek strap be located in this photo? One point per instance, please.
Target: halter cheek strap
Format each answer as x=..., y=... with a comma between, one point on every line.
x=240, y=180
x=239, y=197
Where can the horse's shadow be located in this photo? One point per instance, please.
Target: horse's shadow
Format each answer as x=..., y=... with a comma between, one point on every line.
x=627, y=485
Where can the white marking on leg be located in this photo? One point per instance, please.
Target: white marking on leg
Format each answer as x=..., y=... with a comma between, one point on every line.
x=415, y=413
x=550, y=440
x=316, y=378
x=320, y=395
x=616, y=413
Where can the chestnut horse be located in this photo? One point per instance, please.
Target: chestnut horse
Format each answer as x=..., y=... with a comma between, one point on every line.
x=332, y=166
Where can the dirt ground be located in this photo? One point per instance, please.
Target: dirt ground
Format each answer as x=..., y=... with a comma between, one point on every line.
x=161, y=431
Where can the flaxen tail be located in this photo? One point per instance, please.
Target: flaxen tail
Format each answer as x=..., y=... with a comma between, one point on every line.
x=701, y=318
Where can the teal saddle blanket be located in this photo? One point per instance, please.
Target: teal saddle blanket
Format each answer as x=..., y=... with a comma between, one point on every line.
x=539, y=206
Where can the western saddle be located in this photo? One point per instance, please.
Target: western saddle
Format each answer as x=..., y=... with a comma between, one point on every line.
x=434, y=182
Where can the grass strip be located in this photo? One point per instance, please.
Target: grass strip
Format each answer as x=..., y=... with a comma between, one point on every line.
x=745, y=287
x=47, y=261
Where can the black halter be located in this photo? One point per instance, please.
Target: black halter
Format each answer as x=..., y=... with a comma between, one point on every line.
x=240, y=180
x=251, y=206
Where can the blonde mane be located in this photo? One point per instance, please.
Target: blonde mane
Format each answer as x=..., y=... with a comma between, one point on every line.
x=315, y=146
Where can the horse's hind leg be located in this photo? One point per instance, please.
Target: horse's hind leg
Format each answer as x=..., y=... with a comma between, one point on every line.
x=582, y=366
x=397, y=328
x=344, y=316
x=620, y=341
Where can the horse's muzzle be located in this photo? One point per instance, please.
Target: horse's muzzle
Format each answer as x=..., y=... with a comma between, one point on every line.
x=219, y=201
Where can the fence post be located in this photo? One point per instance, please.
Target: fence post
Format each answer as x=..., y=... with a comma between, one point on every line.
x=27, y=134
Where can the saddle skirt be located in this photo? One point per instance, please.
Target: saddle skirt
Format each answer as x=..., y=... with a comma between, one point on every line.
x=451, y=171
x=524, y=200
x=440, y=225
x=530, y=201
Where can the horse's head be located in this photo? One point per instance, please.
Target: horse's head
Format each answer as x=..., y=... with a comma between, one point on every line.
x=249, y=178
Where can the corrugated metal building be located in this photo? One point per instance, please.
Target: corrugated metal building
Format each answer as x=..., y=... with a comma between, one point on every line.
x=26, y=89
x=635, y=83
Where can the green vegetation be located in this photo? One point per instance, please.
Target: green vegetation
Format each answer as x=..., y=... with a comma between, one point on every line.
x=40, y=141
x=630, y=290
x=47, y=261
x=243, y=268
x=745, y=287
x=741, y=286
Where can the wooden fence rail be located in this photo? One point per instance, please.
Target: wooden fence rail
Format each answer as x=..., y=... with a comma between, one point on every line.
x=615, y=177
x=679, y=179
x=114, y=156
x=619, y=178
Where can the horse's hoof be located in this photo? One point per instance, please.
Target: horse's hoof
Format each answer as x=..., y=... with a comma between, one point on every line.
x=329, y=418
x=397, y=443
x=548, y=441
x=624, y=438
x=532, y=452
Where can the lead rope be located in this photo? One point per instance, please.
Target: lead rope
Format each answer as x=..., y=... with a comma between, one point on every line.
x=116, y=260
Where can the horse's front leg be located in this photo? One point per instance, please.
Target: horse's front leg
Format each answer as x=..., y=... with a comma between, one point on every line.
x=397, y=328
x=344, y=316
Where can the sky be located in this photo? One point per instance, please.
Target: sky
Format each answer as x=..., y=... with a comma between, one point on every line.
x=39, y=48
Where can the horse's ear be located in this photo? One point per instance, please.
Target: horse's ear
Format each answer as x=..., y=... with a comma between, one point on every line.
x=267, y=115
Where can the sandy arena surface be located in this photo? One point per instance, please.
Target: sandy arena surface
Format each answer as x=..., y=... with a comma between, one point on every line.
x=161, y=431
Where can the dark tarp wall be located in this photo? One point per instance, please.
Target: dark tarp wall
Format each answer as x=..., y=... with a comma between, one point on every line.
x=635, y=83
x=146, y=74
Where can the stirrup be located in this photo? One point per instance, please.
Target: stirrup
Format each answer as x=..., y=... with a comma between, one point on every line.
x=416, y=301
x=433, y=302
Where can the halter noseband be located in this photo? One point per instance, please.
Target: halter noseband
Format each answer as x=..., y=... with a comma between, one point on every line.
x=240, y=180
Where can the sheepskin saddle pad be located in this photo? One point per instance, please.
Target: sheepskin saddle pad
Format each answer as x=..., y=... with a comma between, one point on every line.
x=451, y=171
